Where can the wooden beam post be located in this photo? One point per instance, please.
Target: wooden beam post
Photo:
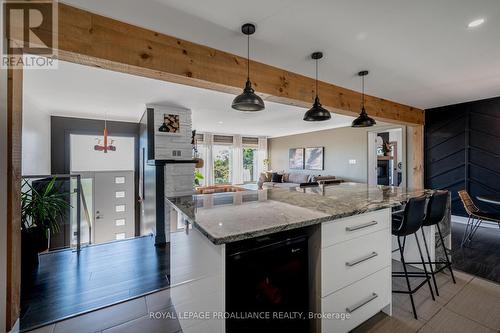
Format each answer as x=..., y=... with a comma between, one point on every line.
x=14, y=132
x=94, y=40
x=415, y=157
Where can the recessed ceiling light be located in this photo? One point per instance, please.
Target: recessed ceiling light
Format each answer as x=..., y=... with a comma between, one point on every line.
x=476, y=23
x=220, y=122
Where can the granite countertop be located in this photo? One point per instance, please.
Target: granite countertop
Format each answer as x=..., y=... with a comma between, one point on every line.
x=229, y=217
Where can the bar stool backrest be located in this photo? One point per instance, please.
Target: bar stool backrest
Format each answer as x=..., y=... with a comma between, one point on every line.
x=436, y=208
x=413, y=216
x=469, y=205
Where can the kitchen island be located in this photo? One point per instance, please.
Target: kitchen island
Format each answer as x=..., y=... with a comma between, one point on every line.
x=348, y=261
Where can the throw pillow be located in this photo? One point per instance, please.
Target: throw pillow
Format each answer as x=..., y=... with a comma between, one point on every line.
x=285, y=177
x=269, y=176
x=277, y=178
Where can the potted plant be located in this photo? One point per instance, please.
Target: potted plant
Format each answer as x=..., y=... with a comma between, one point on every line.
x=197, y=177
x=42, y=209
x=387, y=149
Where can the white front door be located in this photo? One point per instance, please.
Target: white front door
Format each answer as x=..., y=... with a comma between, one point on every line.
x=114, y=209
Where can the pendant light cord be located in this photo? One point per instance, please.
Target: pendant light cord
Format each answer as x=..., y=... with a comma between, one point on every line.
x=248, y=57
x=363, y=92
x=317, y=93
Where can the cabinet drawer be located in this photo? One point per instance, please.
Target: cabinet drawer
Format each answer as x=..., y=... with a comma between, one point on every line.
x=360, y=300
x=350, y=261
x=354, y=226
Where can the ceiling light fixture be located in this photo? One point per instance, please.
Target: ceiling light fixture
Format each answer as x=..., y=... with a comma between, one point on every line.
x=363, y=120
x=248, y=100
x=105, y=147
x=476, y=23
x=317, y=112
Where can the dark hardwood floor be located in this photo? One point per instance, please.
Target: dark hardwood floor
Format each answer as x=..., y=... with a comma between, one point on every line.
x=482, y=256
x=67, y=283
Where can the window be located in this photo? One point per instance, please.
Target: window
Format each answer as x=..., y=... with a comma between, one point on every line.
x=120, y=194
x=230, y=159
x=250, y=141
x=224, y=139
x=119, y=180
x=249, y=165
x=119, y=208
x=119, y=222
x=121, y=235
x=222, y=164
x=84, y=157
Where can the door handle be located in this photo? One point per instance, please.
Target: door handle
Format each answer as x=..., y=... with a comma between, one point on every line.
x=360, y=260
x=356, y=306
x=361, y=226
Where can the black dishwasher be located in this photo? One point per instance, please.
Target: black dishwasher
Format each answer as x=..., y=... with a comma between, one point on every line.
x=267, y=284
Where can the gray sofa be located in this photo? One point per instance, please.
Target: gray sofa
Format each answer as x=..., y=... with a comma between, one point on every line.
x=292, y=179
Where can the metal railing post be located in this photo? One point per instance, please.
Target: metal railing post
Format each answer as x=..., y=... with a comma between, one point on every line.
x=78, y=209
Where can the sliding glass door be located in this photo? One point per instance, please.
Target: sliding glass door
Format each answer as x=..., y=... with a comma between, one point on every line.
x=249, y=165
x=222, y=155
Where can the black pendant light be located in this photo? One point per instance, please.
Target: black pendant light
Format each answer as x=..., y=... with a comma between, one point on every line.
x=248, y=100
x=317, y=112
x=363, y=120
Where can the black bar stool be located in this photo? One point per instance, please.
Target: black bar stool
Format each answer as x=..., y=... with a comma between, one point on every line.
x=405, y=225
x=436, y=211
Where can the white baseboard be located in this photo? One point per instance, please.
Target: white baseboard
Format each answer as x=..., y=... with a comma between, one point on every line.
x=463, y=220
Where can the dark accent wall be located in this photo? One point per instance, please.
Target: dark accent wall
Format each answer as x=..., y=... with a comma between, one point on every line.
x=462, y=150
x=147, y=175
x=62, y=127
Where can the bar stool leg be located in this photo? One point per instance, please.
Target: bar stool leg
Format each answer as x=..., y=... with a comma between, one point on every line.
x=448, y=263
x=474, y=229
x=425, y=268
x=430, y=261
x=407, y=279
x=465, y=236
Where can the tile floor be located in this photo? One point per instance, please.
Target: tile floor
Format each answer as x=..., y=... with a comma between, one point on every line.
x=471, y=305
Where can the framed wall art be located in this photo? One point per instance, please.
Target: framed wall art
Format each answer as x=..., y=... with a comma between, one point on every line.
x=296, y=158
x=314, y=158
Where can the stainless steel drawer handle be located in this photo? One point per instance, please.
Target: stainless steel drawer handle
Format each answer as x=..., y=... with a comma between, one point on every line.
x=360, y=260
x=361, y=226
x=353, y=308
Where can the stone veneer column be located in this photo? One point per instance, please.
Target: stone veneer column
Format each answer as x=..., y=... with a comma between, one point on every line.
x=173, y=155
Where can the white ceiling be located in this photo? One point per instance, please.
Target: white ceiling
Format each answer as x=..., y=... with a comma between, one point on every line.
x=80, y=91
x=419, y=52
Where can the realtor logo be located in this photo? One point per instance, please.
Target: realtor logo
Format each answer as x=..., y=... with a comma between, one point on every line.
x=31, y=31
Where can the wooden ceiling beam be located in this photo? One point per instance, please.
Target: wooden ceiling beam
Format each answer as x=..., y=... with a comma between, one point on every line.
x=95, y=40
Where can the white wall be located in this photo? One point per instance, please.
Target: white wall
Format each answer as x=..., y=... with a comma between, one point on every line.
x=341, y=145
x=36, y=140
x=85, y=158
